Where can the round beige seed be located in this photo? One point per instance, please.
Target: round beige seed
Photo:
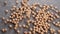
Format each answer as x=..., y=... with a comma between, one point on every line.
x=18, y=32
x=6, y=11
x=10, y=26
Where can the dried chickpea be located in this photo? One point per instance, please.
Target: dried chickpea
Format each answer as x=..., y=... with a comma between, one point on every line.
x=4, y=30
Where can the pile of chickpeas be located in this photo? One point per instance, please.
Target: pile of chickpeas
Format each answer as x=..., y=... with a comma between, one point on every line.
x=37, y=20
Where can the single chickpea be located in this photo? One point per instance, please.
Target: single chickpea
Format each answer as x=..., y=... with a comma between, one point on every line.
x=6, y=11
x=5, y=2
x=18, y=31
x=58, y=31
x=25, y=32
x=29, y=32
x=10, y=26
x=17, y=2
x=20, y=25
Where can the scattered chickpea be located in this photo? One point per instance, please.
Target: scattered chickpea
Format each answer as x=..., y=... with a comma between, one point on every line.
x=17, y=2
x=4, y=30
x=13, y=6
x=6, y=11
x=52, y=30
x=53, y=22
x=10, y=26
x=57, y=11
x=20, y=25
x=30, y=32
x=24, y=25
x=51, y=5
x=5, y=22
x=5, y=2
x=58, y=31
x=3, y=18
x=27, y=26
x=31, y=29
x=18, y=32
x=25, y=32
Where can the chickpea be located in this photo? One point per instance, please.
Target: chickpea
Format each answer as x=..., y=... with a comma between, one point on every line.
x=5, y=2
x=10, y=26
x=6, y=11
x=20, y=25
x=4, y=30
x=30, y=32
x=58, y=31
x=17, y=2
x=25, y=32
x=18, y=31
x=52, y=30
